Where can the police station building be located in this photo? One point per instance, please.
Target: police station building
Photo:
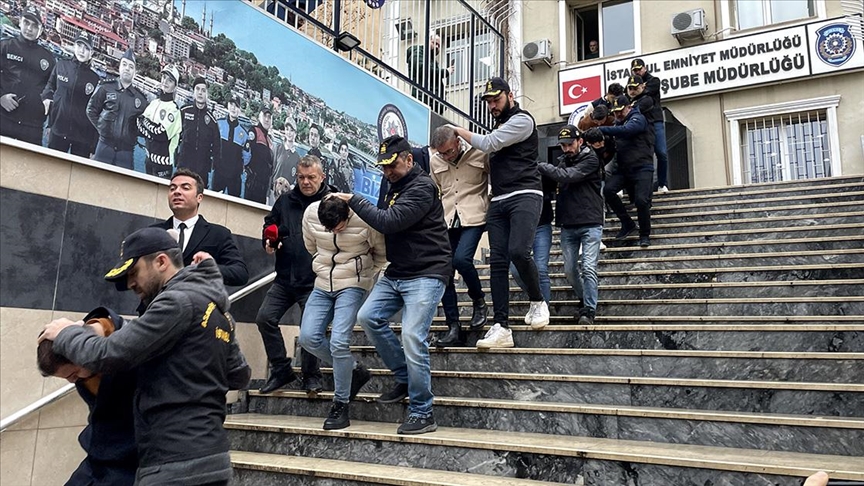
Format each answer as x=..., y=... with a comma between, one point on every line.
x=753, y=90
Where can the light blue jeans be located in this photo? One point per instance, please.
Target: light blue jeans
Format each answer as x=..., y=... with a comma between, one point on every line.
x=340, y=307
x=409, y=361
x=588, y=237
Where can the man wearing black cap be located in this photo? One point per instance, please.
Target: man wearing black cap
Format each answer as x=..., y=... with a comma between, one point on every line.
x=579, y=214
x=655, y=119
x=639, y=98
x=418, y=250
x=160, y=125
x=24, y=72
x=114, y=109
x=260, y=168
x=634, y=141
x=517, y=200
x=65, y=98
x=200, y=143
x=185, y=353
x=227, y=171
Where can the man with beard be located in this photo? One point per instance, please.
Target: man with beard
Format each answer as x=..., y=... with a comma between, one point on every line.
x=260, y=168
x=113, y=110
x=433, y=76
x=200, y=144
x=24, y=72
x=228, y=169
x=184, y=352
x=517, y=200
x=65, y=98
x=161, y=125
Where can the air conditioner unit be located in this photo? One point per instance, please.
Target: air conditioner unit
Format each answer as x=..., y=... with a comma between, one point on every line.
x=690, y=25
x=537, y=52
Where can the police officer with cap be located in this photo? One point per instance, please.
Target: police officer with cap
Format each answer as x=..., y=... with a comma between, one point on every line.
x=160, y=125
x=24, y=72
x=114, y=109
x=228, y=170
x=200, y=144
x=65, y=98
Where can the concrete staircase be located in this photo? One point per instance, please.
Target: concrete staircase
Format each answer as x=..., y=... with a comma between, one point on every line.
x=729, y=352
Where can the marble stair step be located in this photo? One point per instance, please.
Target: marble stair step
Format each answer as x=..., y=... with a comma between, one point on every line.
x=260, y=469
x=793, y=433
x=719, y=337
x=838, y=207
x=697, y=225
x=763, y=187
x=716, y=201
x=529, y=455
x=817, y=367
x=753, y=234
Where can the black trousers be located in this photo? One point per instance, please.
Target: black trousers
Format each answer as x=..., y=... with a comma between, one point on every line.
x=68, y=145
x=276, y=303
x=643, y=185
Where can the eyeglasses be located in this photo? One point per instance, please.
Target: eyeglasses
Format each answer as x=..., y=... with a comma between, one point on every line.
x=451, y=152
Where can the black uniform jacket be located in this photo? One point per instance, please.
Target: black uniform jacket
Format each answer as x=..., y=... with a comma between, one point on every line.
x=579, y=177
x=25, y=67
x=69, y=88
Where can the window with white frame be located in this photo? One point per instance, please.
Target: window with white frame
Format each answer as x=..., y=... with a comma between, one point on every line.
x=609, y=23
x=786, y=141
x=458, y=55
x=749, y=14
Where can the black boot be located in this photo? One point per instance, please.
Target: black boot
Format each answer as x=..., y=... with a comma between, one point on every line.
x=338, y=418
x=478, y=319
x=451, y=338
x=279, y=378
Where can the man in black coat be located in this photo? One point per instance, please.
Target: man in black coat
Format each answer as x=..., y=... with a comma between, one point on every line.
x=283, y=236
x=185, y=194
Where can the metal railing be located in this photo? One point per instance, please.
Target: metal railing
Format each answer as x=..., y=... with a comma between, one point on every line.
x=67, y=389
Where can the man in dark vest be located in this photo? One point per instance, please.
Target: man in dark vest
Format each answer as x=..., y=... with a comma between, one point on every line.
x=517, y=199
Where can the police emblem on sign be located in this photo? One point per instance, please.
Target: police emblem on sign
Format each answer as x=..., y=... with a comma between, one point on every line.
x=835, y=44
x=391, y=122
x=577, y=114
x=44, y=64
x=88, y=90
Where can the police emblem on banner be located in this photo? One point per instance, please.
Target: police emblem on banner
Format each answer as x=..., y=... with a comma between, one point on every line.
x=577, y=114
x=89, y=89
x=44, y=64
x=375, y=3
x=835, y=44
x=391, y=122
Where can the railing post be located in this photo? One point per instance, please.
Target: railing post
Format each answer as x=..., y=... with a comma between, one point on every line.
x=337, y=21
x=425, y=74
x=472, y=110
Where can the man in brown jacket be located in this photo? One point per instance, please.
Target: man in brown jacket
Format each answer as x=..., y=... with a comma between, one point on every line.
x=462, y=175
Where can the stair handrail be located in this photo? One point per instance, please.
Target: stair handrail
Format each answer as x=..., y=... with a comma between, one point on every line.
x=66, y=389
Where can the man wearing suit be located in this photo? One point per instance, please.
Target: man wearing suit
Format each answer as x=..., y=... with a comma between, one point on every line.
x=185, y=194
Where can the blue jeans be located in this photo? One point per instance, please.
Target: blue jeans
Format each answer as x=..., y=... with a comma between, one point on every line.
x=542, y=245
x=340, y=307
x=464, y=242
x=409, y=361
x=588, y=237
x=660, y=152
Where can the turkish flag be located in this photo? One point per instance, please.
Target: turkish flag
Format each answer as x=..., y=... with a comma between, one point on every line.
x=581, y=91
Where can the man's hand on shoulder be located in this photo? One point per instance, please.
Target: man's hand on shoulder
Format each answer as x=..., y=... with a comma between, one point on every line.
x=52, y=330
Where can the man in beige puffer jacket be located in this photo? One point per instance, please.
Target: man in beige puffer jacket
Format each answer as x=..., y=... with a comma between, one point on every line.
x=346, y=255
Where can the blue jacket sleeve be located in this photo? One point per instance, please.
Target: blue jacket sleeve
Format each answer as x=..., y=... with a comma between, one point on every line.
x=634, y=125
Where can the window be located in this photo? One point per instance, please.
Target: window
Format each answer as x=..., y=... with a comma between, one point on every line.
x=787, y=141
x=611, y=23
x=757, y=13
x=458, y=55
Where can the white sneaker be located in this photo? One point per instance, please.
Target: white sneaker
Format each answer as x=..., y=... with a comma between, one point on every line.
x=602, y=246
x=620, y=193
x=532, y=308
x=540, y=318
x=497, y=337
x=662, y=189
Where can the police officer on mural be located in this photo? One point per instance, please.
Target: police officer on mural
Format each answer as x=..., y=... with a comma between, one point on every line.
x=65, y=98
x=260, y=167
x=114, y=109
x=24, y=71
x=200, y=144
x=160, y=125
x=228, y=169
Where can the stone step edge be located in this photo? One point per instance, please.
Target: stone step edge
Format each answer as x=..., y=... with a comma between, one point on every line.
x=699, y=285
x=725, y=244
x=704, y=201
x=656, y=353
x=634, y=380
x=748, y=300
x=663, y=327
x=826, y=181
x=366, y=472
x=718, y=222
x=726, y=256
x=721, y=458
x=678, y=271
x=681, y=196
x=785, y=229
x=616, y=410
x=739, y=318
x=739, y=211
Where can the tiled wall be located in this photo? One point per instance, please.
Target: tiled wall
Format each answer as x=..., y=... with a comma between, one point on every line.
x=61, y=223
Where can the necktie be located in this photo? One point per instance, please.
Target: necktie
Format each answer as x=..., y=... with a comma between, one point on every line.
x=182, y=241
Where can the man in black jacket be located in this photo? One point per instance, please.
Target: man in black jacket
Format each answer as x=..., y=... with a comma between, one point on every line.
x=418, y=250
x=65, y=98
x=200, y=143
x=579, y=214
x=234, y=153
x=24, y=71
x=655, y=119
x=634, y=142
x=185, y=193
x=283, y=235
x=184, y=351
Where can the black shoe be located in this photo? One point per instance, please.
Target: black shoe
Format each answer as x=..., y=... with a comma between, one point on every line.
x=338, y=418
x=479, y=318
x=312, y=385
x=278, y=379
x=586, y=316
x=396, y=394
x=451, y=338
x=626, y=229
x=359, y=377
x=418, y=425
x=644, y=241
